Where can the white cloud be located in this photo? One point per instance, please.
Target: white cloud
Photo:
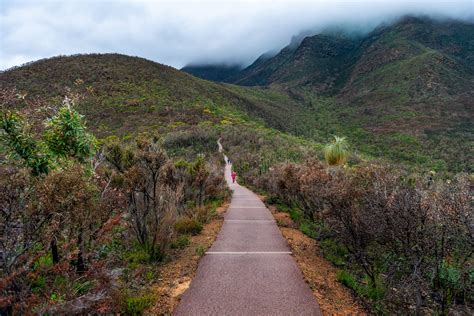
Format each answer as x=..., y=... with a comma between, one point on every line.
x=179, y=32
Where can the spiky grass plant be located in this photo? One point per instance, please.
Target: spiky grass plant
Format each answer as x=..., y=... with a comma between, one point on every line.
x=337, y=152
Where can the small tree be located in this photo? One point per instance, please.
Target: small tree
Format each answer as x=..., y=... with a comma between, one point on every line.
x=22, y=145
x=66, y=135
x=152, y=201
x=337, y=152
x=70, y=200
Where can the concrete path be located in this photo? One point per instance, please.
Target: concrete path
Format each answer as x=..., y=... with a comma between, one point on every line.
x=249, y=269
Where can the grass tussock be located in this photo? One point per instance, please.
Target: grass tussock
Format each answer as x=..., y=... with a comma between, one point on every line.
x=337, y=152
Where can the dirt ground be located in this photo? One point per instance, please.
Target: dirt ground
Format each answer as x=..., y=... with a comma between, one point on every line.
x=176, y=275
x=332, y=296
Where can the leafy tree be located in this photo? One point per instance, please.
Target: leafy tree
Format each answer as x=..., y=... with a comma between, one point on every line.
x=22, y=145
x=66, y=135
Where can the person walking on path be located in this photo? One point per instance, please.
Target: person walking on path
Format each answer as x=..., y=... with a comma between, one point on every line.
x=233, y=175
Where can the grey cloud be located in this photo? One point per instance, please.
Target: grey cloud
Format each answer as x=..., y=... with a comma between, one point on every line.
x=181, y=32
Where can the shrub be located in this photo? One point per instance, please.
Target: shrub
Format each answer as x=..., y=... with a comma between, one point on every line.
x=69, y=198
x=152, y=204
x=135, y=304
x=335, y=252
x=347, y=279
x=66, y=134
x=188, y=226
x=200, y=250
x=81, y=288
x=181, y=242
x=387, y=225
x=22, y=144
x=337, y=152
x=309, y=228
x=373, y=292
x=137, y=256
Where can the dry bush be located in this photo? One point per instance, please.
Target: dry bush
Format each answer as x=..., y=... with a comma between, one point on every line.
x=70, y=199
x=51, y=228
x=20, y=225
x=412, y=237
x=21, y=228
x=152, y=205
x=160, y=189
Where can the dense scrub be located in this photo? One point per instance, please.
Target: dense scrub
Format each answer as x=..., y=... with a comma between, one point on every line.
x=403, y=242
x=84, y=223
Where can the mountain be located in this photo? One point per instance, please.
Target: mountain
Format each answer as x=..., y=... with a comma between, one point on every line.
x=124, y=94
x=213, y=72
x=404, y=90
x=329, y=60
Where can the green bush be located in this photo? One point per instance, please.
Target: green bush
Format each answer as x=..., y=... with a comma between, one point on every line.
x=295, y=214
x=137, y=256
x=334, y=252
x=450, y=282
x=43, y=261
x=81, y=288
x=136, y=304
x=38, y=284
x=200, y=250
x=180, y=243
x=373, y=291
x=347, y=279
x=309, y=229
x=188, y=226
x=66, y=135
x=21, y=144
x=366, y=289
x=337, y=152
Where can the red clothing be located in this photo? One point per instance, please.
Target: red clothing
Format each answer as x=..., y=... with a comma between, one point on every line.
x=233, y=175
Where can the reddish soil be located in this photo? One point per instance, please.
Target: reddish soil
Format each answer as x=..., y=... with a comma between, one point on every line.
x=332, y=296
x=176, y=275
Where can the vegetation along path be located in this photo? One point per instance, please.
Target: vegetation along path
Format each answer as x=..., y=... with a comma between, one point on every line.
x=249, y=269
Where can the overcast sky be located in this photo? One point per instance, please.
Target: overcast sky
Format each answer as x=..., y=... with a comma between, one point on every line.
x=181, y=32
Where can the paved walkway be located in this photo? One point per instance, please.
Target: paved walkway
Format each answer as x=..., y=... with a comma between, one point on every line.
x=249, y=269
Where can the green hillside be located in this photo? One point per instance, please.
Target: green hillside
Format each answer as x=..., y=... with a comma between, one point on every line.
x=403, y=91
x=123, y=96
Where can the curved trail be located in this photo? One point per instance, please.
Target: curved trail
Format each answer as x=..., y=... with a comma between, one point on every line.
x=249, y=269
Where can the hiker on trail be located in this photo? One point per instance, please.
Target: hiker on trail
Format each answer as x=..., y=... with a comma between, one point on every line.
x=233, y=175
x=228, y=161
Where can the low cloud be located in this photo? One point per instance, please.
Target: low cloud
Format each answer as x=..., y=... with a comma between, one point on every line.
x=182, y=32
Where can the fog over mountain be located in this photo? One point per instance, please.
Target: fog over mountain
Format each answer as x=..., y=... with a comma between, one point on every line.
x=178, y=33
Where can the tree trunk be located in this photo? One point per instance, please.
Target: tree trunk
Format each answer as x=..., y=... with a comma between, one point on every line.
x=54, y=251
x=80, y=265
